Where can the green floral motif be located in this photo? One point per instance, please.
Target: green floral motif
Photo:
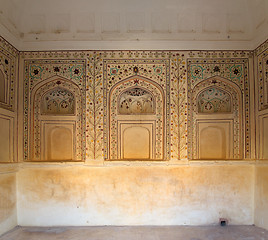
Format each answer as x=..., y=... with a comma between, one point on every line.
x=201, y=71
x=40, y=69
x=197, y=72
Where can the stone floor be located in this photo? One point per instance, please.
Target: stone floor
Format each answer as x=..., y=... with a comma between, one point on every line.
x=138, y=233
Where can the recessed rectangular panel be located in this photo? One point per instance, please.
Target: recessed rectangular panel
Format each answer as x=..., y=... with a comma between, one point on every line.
x=186, y=22
x=58, y=143
x=265, y=80
x=135, y=22
x=160, y=22
x=60, y=23
x=35, y=24
x=85, y=23
x=215, y=139
x=110, y=22
x=236, y=23
x=264, y=141
x=6, y=139
x=212, y=23
x=136, y=141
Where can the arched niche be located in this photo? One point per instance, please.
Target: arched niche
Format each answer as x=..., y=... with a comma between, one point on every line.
x=136, y=101
x=58, y=101
x=56, y=110
x=214, y=100
x=2, y=87
x=215, y=120
x=136, y=104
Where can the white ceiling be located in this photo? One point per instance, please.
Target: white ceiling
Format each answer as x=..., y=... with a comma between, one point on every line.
x=136, y=24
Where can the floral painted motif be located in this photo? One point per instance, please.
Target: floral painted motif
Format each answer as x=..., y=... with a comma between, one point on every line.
x=151, y=73
x=136, y=101
x=231, y=69
x=8, y=63
x=97, y=73
x=58, y=101
x=214, y=100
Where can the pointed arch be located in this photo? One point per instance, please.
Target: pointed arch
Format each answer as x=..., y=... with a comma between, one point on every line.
x=55, y=103
x=146, y=101
x=216, y=103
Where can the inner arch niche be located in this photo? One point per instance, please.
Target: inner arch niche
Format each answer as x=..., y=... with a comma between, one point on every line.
x=136, y=101
x=137, y=126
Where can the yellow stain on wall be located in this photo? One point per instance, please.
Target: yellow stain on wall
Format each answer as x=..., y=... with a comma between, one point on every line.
x=7, y=196
x=225, y=191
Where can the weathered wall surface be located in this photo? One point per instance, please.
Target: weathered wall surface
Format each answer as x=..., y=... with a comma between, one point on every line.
x=261, y=196
x=8, y=209
x=163, y=195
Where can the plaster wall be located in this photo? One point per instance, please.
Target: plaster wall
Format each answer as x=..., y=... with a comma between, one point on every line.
x=152, y=195
x=261, y=196
x=8, y=201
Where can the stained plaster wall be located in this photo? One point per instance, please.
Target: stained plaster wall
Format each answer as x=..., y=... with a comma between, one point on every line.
x=8, y=200
x=95, y=185
x=145, y=195
x=8, y=135
x=261, y=175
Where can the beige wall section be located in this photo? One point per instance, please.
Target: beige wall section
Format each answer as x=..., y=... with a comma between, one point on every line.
x=261, y=196
x=5, y=140
x=8, y=211
x=192, y=195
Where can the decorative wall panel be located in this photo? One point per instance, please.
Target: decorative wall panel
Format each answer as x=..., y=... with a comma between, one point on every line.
x=103, y=73
x=54, y=91
x=264, y=137
x=162, y=95
x=8, y=102
x=261, y=91
x=8, y=71
x=137, y=90
x=262, y=78
x=219, y=86
x=6, y=138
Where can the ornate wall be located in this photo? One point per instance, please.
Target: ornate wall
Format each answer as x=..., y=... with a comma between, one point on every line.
x=115, y=125
x=138, y=105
